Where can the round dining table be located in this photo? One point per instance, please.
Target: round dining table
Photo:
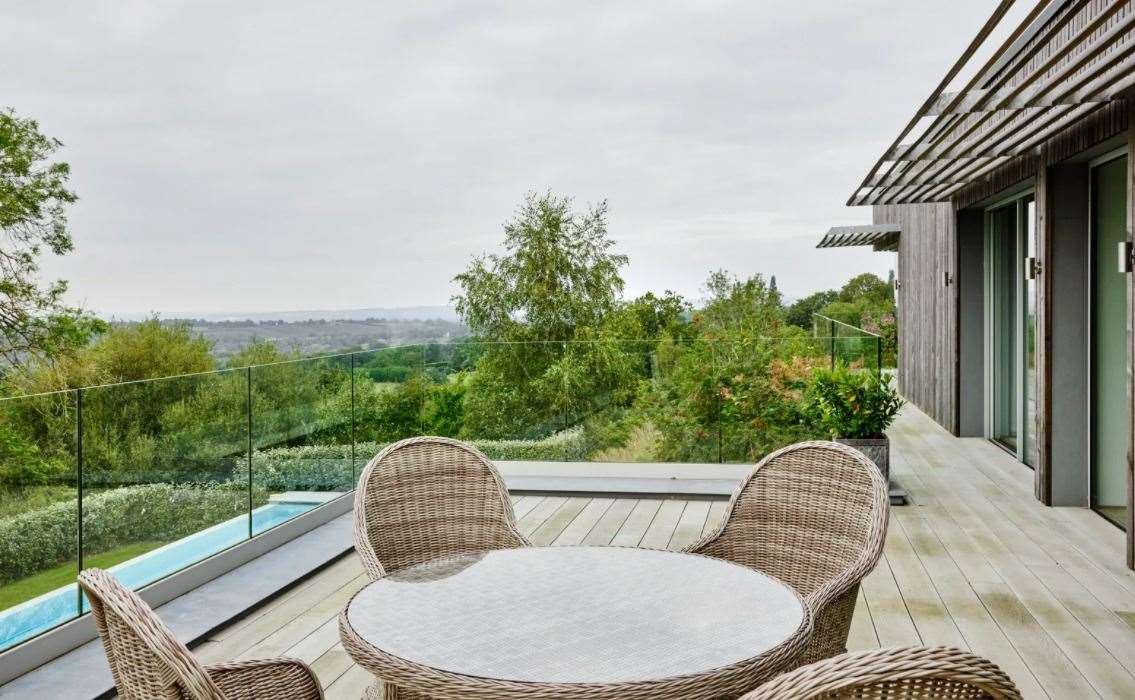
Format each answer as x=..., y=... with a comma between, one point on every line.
x=575, y=622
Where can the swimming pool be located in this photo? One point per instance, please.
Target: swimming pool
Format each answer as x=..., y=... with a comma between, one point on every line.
x=37, y=615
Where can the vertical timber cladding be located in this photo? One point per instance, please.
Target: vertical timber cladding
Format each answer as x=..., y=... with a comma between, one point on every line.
x=927, y=297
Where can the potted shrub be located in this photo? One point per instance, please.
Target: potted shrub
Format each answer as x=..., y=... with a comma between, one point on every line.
x=855, y=408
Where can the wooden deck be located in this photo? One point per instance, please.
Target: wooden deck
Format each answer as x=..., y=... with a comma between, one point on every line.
x=974, y=562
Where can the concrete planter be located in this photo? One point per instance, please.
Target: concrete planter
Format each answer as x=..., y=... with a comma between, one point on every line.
x=878, y=450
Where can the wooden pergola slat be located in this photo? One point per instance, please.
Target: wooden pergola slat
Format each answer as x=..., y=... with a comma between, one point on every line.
x=880, y=236
x=1004, y=112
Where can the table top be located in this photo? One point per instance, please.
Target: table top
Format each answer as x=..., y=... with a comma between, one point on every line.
x=576, y=614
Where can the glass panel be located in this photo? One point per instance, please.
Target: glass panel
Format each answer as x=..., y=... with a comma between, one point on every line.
x=763, y=380
x=1030, y=378
x=1110, y=417
x=1004, y=264
x=302, y=436
x=164, y=473
x=390, y=387
x=38, y=515
x=603, y=380
x=520, y=391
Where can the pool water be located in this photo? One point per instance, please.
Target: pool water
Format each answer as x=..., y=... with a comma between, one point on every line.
x=37, y=615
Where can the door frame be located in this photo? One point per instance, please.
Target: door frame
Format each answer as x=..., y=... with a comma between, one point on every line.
x=1116, y=154
x=1019, y=201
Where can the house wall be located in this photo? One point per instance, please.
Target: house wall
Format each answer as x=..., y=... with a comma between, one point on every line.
x=927, y=335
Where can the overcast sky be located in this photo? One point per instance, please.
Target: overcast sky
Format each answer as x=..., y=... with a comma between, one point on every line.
x=256, y=156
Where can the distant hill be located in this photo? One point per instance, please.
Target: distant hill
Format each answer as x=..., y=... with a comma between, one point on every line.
x=322, y=332
x=399, y=313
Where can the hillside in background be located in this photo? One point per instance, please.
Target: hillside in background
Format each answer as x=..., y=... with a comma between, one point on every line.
x=395, y=313
x=316, y=336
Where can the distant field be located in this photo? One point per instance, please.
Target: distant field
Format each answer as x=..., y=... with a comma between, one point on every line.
x=320, y=336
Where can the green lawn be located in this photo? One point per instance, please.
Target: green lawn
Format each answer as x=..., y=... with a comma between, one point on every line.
x=26, y=588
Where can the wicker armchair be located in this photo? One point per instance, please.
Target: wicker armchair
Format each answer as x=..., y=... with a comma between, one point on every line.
x=424, y=498
x=429, y=497
x=901, y=673
x=148, y=662
x=814, y=515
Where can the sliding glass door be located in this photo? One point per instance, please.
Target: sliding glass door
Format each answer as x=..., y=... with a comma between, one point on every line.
x=1011, y=327
x=1110, y=414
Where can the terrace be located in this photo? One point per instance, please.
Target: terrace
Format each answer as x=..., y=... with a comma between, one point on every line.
x=973, y=561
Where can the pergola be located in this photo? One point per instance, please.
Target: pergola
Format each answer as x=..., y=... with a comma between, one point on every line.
x=1066, y=59
x=882, y=237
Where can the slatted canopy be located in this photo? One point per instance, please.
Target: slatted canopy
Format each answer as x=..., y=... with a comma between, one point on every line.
x=1065, y=59
x=879, y=236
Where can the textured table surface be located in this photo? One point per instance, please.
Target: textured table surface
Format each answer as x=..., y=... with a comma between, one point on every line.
x=576, y=614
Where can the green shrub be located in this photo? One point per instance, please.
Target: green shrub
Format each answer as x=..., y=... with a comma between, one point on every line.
x=328, y=467
x=569, y=445
x=44, y=538
x=849, y=404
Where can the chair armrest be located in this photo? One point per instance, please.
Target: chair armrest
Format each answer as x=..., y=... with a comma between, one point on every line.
x=272, y=679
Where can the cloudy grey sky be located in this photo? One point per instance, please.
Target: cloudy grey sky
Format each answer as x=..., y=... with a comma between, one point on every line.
x=253, y=156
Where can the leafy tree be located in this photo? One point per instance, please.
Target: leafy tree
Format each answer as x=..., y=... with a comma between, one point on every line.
x=739, y=308
x=546, y=299
x=651, y=317
x=122, y=415
x=149, y=349
x=866, y=287
x=444, y=410
x=389, y=413
x=800, y=313
x=34, y=320
x=733, y=393
x=848, y=312
x=21, y=462
x=559, y=273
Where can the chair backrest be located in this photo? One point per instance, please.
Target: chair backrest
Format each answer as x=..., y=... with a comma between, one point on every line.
x=900, y=673
x=428, y=497
x=146, y=660
x=811, y=514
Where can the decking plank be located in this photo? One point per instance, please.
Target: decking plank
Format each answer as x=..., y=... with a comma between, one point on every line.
x=579, y=528
x=611, y=523
x=551, y=528
x=662, y=527
x=690, y=526
x=631, y=532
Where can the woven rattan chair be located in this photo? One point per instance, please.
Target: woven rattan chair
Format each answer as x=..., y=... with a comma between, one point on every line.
x=149, y=663
x=425, y=498
x=813, y=515
x=902, y=673
x=430, y=497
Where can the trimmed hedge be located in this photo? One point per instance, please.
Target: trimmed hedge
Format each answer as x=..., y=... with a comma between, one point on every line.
x=328, y=467
x=43, y=538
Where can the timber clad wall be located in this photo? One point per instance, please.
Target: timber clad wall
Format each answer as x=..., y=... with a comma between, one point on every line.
x=1043, y=133
x=927, y=324
x=928, y=307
